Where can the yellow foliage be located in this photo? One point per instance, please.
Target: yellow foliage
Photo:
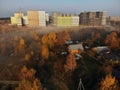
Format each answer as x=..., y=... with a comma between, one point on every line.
x=45, y=39
x=52, y=36
x=22, y=41
x=27, y=57
x=28, y=80
x=109, y=83
x=45, y=52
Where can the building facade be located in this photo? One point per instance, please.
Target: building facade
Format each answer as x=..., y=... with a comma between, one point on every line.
x=36, y=18
x=93, y=18
x=65, y=20
x=17, y=19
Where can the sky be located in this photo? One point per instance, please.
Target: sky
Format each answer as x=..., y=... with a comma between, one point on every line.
x=8, y=7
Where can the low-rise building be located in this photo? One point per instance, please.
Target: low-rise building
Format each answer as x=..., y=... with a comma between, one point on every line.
x=75, y=48
x=17, y=19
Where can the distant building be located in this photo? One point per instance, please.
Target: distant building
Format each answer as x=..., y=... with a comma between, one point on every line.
x=36, y=18
x=93, y=18
x=65, y=20
x=54, y=17
x=113, y=21
x=19, y=19
x=100, y=50
x=47, y=18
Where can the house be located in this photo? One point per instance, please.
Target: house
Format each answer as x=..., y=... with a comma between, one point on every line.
x=100, y=50
x=75, y=48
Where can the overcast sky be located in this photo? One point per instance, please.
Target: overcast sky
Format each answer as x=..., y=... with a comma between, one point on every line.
x=8, y=7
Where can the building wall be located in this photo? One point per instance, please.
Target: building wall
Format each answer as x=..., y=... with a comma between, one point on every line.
x=67, y=20
x=36, y=18
x=17, y=19
x=54, y=17
x=64, y=21
x=75, y=20
x=25, y=20
x=93, y=18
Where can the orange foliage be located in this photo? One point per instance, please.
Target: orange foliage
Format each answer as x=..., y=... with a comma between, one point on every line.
x=26, y=73
x=28, y=80
x=45, y=39
x=109, y=83
x=113, y=41
x=27, y=57
x=62, y=37
x=70, y=63
x=52, y=36
x=45, y=52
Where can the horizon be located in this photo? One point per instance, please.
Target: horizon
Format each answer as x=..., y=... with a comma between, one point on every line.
x=8, y=8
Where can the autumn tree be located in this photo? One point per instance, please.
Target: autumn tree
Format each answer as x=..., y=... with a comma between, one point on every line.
x=45, y=40
x=27, y=57
x=28, y=80
x=62, y=37
x=20, y=48
x=45, y=52
x=70, y=63
x=109, y=83
x=52, y=36
x=52, y=39
x=113, y=41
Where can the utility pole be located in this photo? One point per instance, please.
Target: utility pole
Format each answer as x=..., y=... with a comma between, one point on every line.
x=80, y=85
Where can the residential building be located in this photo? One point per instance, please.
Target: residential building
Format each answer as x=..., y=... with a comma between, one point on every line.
x=64, y=20
x=17, y=19
x=36, y=18
x=93, y=18
x=75, y=48
x=54, y=17
x=113, y=21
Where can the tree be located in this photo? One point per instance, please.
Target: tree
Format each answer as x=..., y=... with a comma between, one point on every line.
x=28, y=80
x=62, y=37
x=20, y=48
x=70, y=63
x=109, y=83
x=49, y=40
x=45, y=40
x=113, y=41
x=52, y=36
x=27, y=57
x=45, y=52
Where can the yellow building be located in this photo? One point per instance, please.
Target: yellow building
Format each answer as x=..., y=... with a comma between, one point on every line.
x=64, y=21
x=17, y=19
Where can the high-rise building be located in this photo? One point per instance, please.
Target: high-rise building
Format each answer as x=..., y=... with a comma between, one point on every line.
x=62, y=19
x=93, y=18
x=36, y=18
x=54, y=17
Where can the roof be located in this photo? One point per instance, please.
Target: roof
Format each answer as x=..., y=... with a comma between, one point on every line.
x=76, y=47
x=102, y=49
